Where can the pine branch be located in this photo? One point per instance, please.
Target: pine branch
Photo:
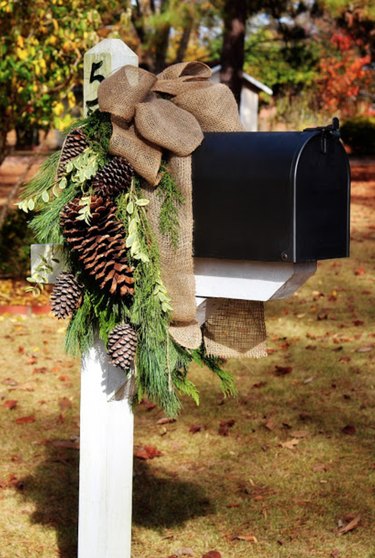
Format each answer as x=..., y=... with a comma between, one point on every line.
x=40, y=185
x=227, y=383
x=172, y=200
x=46, y=225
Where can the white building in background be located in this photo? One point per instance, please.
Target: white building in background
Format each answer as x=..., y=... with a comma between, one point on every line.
x=251, y=88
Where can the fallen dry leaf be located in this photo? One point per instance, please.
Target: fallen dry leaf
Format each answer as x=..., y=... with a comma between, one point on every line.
x=212, y=554
x=10, y=404
x=64, y=378
x=166, y=420
x=25, y=420
x=282, y=370
x=147, y=452
x=184, y=551
x=11, y=482
x=299, y=433
x=290, y=444
x=9, y=382
x=65, y=403
x=225, y=426
x=345, y=359
x=194, y=428
x=258, y=385
x=40, y=370
x=359, y=271
x=320, y=468
x=366, y=349
x=247, y=538
x=148, y=405
x=32, y=360
x=353, y=524
x=270, y=424
x=349, y=429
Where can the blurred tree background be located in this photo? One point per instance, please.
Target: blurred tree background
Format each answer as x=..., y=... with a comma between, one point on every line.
x=317, y=56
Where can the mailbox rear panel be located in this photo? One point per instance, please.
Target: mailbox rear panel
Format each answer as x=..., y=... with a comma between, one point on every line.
x=269, y=196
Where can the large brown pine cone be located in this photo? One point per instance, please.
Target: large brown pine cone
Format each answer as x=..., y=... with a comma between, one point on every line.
x=122, y=345
x=115, y=177
x=66, y=295
x=75, y=143
x=100, y=245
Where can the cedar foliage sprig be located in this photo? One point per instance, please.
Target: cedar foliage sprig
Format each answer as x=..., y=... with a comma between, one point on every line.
x=172, y=200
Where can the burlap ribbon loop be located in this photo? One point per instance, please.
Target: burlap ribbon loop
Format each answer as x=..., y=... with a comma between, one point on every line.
x=169, y=127
x=123, y=89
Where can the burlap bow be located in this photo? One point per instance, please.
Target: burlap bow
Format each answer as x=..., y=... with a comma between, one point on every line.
x=169, y=112
x=165, y=112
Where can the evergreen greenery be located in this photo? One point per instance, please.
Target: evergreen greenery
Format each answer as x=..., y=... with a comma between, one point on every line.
x=36, y=192
x=80, y=332
x=161, y=370
x=172, y=200
x=46, y=224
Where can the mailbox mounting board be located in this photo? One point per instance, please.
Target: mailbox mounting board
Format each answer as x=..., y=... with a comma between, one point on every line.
x=271, y=196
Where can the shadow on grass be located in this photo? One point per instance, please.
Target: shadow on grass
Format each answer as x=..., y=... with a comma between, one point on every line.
x=53, y=488
x=157, y=501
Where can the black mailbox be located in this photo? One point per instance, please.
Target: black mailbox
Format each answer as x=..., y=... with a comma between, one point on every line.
x=272, y=196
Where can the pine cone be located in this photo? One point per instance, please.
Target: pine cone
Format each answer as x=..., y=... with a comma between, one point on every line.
x=122, y=345
x=75, y=143
x=115, y=177
x=66, y=295
x=100, y=245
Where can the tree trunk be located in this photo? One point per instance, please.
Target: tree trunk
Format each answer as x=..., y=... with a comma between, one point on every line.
x=184, y=42
x=3, y=145
x=26, y=137
x=233, y=51
x=161, y=39
x=161, y=47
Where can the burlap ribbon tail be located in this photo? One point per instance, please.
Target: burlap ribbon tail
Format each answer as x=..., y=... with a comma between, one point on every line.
x=152, y=115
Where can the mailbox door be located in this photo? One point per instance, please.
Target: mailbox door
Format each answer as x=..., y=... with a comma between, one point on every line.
x=322, y=192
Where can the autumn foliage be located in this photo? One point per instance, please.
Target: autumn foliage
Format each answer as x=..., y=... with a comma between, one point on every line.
x=343, y=76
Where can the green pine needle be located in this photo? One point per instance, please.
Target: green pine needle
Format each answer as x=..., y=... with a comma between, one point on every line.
x=227, y=383
x=44, y=179
x=80, y=333
x=172, y=200
x=46, y=224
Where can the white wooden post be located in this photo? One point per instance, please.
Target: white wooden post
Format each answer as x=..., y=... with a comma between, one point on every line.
x=106, y=446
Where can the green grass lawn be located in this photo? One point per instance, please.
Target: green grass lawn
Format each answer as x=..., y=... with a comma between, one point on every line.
x=297, y=464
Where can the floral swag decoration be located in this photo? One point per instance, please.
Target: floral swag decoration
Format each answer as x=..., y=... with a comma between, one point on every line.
x=118, y=198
